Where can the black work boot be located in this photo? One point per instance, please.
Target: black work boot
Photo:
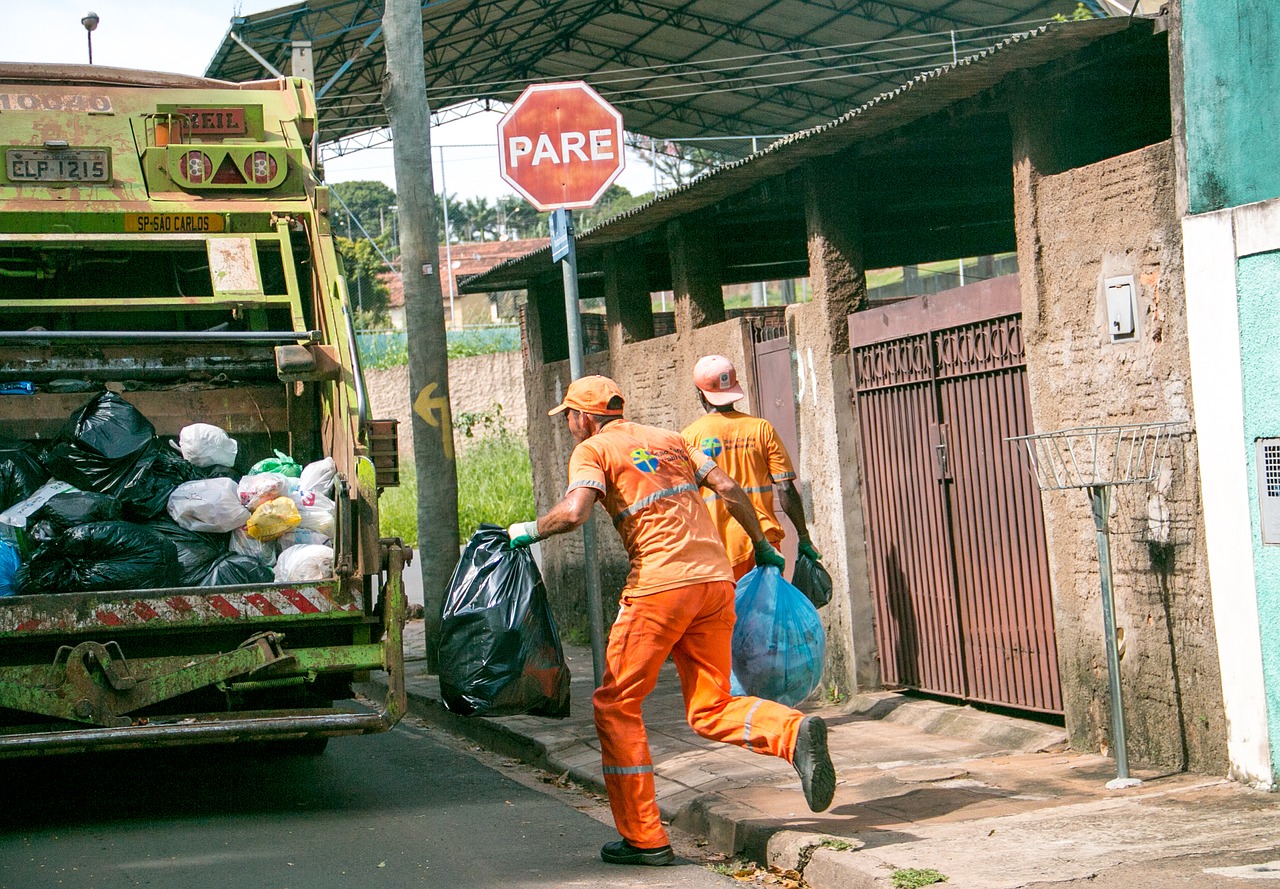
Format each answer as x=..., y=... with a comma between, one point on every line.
x=622, y=852
x=813, y=763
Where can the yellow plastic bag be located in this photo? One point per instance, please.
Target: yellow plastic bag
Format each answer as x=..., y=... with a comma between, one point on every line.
x=273, y=518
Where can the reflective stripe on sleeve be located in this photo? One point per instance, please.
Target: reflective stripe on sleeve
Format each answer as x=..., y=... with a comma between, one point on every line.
x=650, y=500
x=705, y=469
x=784, y=477
x=588, y=483
x=746, y=730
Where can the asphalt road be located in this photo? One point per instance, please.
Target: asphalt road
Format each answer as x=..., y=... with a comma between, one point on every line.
x=409, y=808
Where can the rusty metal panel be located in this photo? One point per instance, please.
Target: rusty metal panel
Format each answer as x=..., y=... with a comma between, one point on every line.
x=775, y=397
x=955, y=540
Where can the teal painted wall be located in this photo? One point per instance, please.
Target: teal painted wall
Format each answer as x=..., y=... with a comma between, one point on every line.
x=1258, y=286
x=1231, y=68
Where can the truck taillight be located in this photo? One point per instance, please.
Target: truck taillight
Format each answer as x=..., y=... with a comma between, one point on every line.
x=226, y=166
x=260, y=168
x=197, y=167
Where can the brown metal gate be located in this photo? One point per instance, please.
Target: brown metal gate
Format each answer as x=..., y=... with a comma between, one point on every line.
x=776, y=396
x=955, y=537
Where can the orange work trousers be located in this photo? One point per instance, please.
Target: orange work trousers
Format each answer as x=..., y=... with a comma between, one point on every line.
x=694, y=625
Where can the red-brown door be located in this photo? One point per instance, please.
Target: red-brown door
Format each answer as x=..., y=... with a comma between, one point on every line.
x=955, y=533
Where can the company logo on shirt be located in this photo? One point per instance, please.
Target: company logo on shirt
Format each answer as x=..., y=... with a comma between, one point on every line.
x=712, y=446
x=643, y=460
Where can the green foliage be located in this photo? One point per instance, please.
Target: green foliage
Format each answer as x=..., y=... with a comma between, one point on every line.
x=495, y=485
x=1080, y=14
x=366, y=199
x=836, y=845
x=914, y=878
x=384, y=349
x=368, y=294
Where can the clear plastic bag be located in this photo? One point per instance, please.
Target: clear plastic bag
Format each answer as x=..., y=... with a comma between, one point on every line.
x=500, y=653
x=299, y=564
x=209, y=504
x=9, y=562
x=779, y=645
x=203, y=444
x=299, y=537
x=265, y=551
x=256, y=490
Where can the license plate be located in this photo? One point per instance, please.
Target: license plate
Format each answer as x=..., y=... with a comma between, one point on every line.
x=51, y=165
x=173, y=223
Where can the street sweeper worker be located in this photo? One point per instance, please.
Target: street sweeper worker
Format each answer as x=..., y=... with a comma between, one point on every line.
x=677, y=601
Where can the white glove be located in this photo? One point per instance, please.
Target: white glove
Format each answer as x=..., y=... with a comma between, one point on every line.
x=523, y=534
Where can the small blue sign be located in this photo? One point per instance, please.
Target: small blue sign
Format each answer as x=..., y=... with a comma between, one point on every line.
x=561, y=231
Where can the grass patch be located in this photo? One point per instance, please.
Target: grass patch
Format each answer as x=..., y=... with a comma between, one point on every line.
x=837, y=845
x=913, y=878
x=495, y=485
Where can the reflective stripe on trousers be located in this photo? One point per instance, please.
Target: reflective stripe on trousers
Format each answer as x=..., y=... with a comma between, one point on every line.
x=694, y=625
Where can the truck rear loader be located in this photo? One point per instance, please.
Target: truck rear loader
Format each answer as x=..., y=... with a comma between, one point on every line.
x=166, y=238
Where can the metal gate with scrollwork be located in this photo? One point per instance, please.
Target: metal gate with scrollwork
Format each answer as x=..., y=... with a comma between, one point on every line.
x=955, y=532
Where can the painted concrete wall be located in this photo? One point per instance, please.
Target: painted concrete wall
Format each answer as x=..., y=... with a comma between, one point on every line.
x=1244, y=599
x=1231, y=76
x=1258, y=288
x=1076, y=229
x=476, y=384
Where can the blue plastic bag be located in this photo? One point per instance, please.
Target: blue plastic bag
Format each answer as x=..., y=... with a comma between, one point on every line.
x=779, y=645
x=8, y=568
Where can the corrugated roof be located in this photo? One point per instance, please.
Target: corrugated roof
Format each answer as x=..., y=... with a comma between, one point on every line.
x=921, y=95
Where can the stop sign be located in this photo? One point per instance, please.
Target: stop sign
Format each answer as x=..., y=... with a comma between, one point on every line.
x=560, y=145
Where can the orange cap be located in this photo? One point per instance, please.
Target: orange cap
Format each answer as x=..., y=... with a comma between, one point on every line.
x=717, y=380
x=591, y=395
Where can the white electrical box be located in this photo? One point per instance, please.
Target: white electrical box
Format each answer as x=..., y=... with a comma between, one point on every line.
x=1268, y=468
x=1122, y=308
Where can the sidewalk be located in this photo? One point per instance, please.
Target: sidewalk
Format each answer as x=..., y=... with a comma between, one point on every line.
x=990, y=801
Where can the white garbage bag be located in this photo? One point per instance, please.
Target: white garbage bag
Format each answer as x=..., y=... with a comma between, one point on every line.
x=202, y=444
x=208, y=504
x=264, y=551
x=318, y=476
x=311, y=561
x=256, y=490
x=317, y=511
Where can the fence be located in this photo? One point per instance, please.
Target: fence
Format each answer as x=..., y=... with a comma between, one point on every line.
x=390, y=348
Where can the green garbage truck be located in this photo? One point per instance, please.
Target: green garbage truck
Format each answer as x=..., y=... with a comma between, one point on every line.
x=166, y=239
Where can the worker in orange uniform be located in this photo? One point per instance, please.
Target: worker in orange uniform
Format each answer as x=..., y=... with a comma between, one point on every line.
x=749, y=450
x=677, y=601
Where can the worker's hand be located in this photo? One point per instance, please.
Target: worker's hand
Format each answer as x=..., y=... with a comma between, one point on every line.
x=767, y=555
x=523, y=534
x=806, y=549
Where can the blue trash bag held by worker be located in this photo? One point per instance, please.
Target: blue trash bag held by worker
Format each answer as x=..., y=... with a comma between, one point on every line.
x=500, y=652
x=779, y=645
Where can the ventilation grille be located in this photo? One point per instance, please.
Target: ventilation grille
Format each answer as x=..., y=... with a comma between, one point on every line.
x=1271, y=469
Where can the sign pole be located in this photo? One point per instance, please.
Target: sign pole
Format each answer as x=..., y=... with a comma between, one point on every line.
x=563, y=248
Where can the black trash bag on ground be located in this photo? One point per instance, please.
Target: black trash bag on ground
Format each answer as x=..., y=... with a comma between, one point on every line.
x=101, y=556
x=21, y=472
x=810, y=578
x=145, y=493
x=197, y=550
x=100, y=445
x=64, y=511
x=233, y=569
x=500, y=654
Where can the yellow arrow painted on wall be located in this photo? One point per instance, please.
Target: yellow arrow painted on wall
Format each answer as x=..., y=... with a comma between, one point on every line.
x=426, y=406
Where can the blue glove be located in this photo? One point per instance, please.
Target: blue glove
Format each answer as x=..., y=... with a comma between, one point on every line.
x=806, y=549
x=523, y=534
x=767, y=555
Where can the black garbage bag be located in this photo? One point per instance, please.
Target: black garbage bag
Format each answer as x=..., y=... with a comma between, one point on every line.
x=232, y=569
x=197, y=550
x=64, y=511
x=100, y=556
x=100, y=445
x=500, y=654
x=20, y=472
x=144, y=494
x=810, y=578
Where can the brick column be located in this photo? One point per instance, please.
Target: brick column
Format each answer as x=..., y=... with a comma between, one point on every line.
x=695, y=275
x=627, y=302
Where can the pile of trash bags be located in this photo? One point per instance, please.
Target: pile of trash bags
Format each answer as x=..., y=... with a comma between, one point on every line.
x=110, y=506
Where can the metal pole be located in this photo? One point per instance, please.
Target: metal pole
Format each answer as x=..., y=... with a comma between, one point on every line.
x=1100, y=501
x=591, y=569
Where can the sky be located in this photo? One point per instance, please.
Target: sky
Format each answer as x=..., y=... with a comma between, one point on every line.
x=182, y=36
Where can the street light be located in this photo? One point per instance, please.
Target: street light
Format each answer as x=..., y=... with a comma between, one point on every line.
x=90, y=23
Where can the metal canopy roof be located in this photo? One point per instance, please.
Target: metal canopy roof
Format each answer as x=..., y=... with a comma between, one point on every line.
x=674, y=68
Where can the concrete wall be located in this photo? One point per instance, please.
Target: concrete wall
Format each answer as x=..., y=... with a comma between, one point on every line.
x=1076, y=229
x=476, y=384
x=656, y=377
x=1231, y=78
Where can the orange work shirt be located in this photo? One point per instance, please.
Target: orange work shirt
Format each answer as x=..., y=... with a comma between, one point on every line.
x=649, y=483
x=750, y=451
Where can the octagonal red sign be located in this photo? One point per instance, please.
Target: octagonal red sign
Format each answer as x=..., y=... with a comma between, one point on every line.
x=560, y=145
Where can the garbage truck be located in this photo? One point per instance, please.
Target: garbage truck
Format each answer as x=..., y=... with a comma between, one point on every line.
x=165, y=246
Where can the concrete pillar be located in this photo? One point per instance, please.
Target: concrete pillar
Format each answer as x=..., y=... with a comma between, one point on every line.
x=628, y=305
x=695, y=275
x=545, y=326
x=829, y=467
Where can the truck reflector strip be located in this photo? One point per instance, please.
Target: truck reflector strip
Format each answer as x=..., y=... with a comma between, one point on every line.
x=61, y=614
